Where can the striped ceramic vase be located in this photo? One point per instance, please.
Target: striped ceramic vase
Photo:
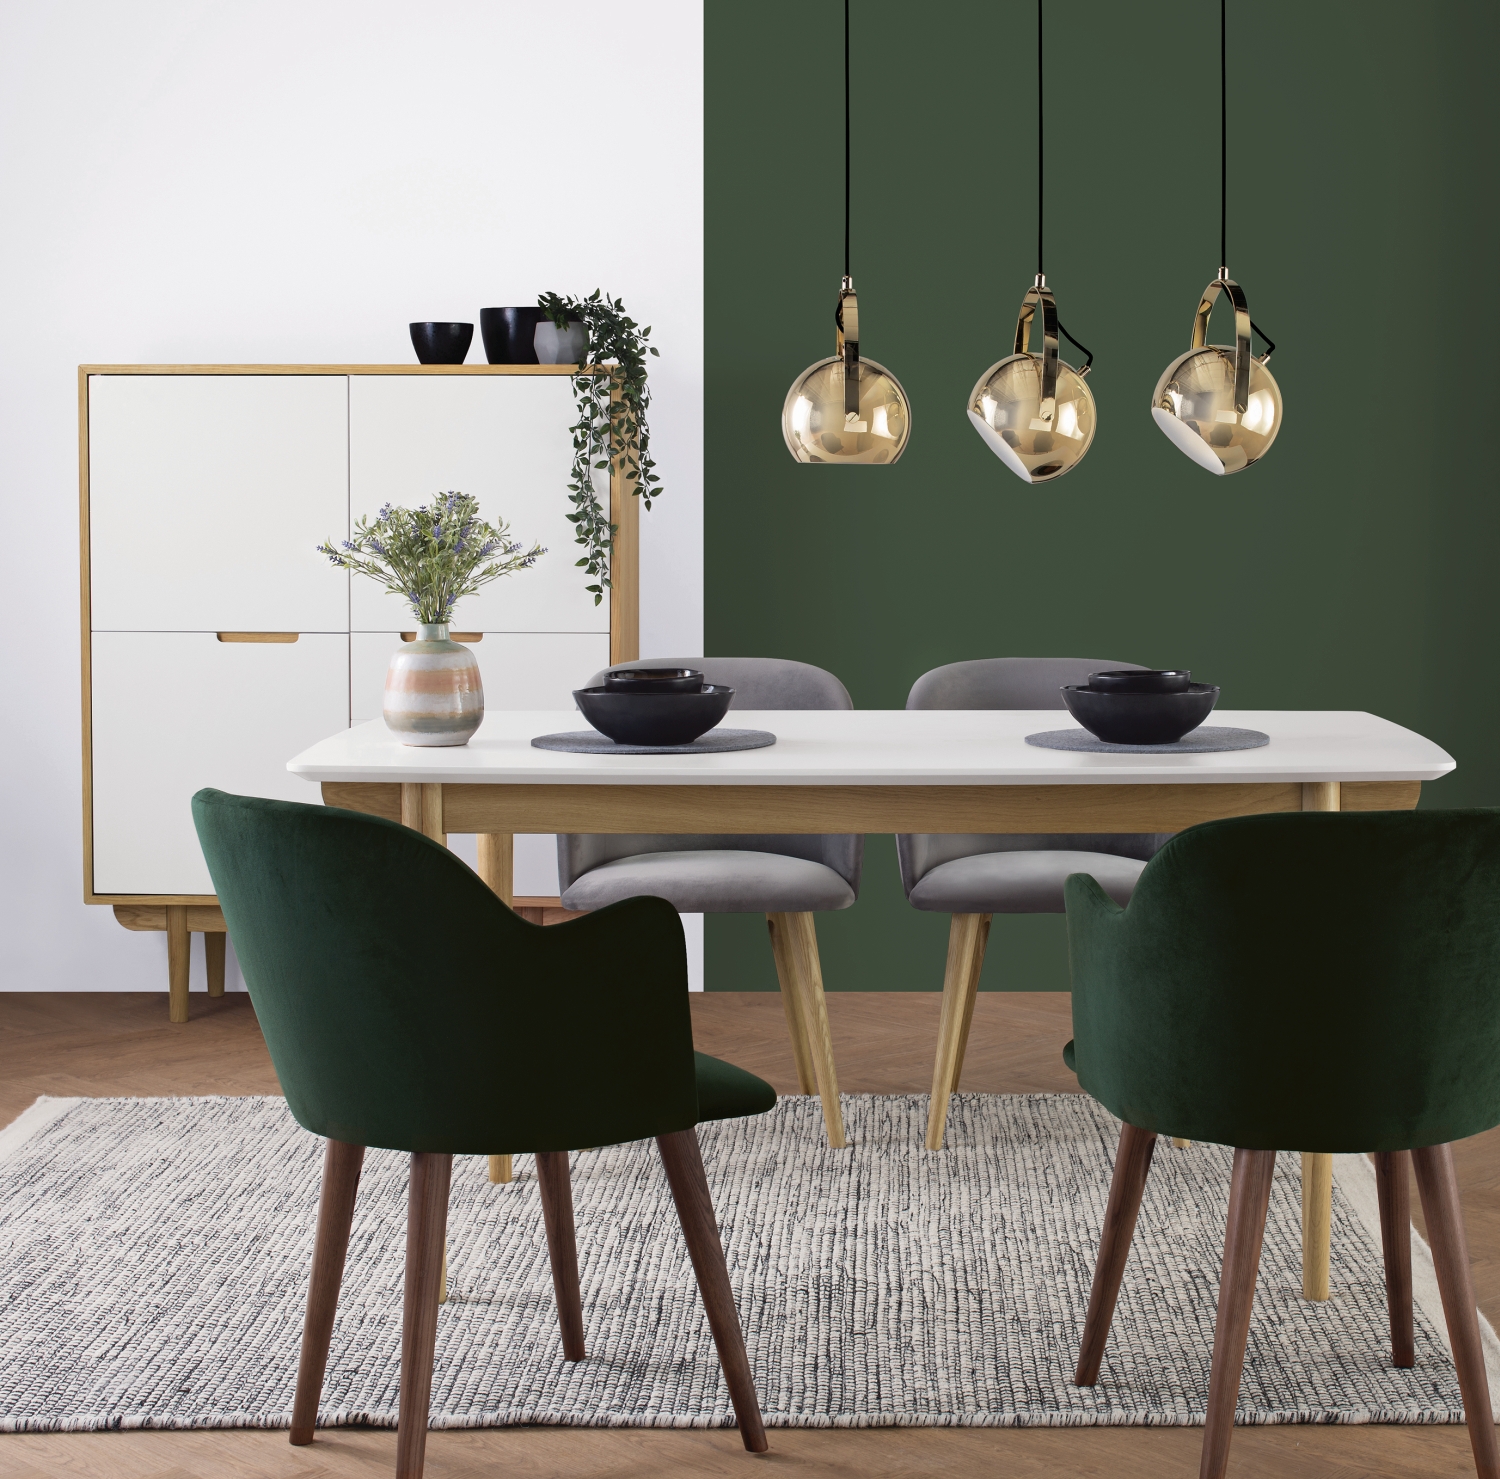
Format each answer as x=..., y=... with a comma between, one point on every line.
x=433, y=695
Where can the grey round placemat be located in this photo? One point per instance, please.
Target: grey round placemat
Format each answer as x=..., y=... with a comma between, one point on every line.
x=591, y=742
x=1202, y=741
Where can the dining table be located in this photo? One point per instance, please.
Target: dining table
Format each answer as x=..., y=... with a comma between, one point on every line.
x=879, y=770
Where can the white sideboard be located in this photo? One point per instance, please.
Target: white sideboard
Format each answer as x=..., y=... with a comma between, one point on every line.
x=217, y=641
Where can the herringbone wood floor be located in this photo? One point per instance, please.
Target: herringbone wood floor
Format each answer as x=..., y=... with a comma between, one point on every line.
x=122, y=1044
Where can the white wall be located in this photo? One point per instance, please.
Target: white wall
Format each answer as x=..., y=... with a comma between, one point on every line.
x=294, y=181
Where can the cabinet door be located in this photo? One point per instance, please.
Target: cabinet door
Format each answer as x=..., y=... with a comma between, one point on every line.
x=176, y=711
x=208, y=497
x=502, y=438
x=519, y=670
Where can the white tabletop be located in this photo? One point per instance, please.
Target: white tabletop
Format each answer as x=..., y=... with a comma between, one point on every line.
x=886, y=747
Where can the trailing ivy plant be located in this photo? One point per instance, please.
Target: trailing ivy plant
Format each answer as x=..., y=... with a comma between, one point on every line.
x=611, y=432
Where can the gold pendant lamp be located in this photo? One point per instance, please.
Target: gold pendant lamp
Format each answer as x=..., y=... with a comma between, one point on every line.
x=846, y=409
x=1034, y=411
x=1220, y=405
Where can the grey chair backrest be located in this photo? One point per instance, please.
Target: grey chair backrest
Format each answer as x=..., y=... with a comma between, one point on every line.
x=1009, y=683
x=758, y=683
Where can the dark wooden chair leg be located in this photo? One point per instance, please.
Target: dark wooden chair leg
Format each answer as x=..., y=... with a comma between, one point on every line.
x=555, y=1179
x=426, y=1226
x=1249, y=1197
x=1438, y=1188
x=695, y=1211
x=1393, y=1184
x=1132, y=1164
x=341, y=1167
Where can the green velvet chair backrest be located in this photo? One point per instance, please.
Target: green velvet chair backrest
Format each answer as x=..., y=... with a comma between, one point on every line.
x=405, y=1006
x=1315, y=981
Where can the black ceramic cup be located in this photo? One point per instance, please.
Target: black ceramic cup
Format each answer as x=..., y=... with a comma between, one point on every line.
x=441, y=344
x=654, y=680
x=1146, y=680
x=509, y=334
x=653, y=718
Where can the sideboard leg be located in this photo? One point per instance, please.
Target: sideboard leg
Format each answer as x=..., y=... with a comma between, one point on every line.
x=213, y=955
x=179, y=944
x=1317, y=1168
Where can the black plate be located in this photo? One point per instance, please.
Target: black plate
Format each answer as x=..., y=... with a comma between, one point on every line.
x=1147, y=680
x=654, y=680
x=653, y=718
x=1140, y=718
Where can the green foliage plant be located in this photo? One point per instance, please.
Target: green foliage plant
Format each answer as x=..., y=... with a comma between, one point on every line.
x=611, y=432
x=432, y=556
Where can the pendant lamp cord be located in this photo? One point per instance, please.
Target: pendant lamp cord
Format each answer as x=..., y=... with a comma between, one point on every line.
x=1223, y=143
x=1224, y=168
x=846, y=138
x=1041, y=155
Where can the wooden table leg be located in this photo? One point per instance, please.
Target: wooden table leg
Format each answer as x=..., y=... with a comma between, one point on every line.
x=179, y=947
x=1317, y=1168
x=213, y=955
x=497, y=864
x=497, y=868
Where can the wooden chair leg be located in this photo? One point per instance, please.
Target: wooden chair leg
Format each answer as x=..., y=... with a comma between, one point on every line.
x=556, y=1181
x=213, y=956
x=179, y=958
x=802, y=939
x=426, y=1227
x=695, y=1211
x=791, y=1002
x=1393, y=1185
x=501, y=1170
x=1438, y=1188
x=967, y=937
x=341, y=1167
x=1249, y=1197
x=1126, y=1187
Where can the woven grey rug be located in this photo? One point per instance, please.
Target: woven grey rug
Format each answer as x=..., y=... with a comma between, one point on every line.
x=154, y=1256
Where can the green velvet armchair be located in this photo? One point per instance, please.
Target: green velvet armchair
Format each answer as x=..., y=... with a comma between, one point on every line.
x=383, y=972
x=1313, y=982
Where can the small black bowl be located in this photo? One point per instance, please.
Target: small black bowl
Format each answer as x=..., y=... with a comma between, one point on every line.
x=654, y=680
x=509, y=334
x=1141, y=718
x=1145, y=680
x=441, y=344
x=653, y=718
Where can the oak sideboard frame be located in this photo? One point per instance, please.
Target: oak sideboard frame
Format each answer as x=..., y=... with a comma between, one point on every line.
x=182, y=915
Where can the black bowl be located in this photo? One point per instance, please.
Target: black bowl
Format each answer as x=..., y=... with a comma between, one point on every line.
x=654, y=680
x=509, y=334
x=1145, y=680
x=1141, y=718
x=653, y=718
x=441, y=344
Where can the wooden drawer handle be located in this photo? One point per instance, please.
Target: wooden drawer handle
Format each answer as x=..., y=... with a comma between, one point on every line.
x=258, y=636
x=452, y=636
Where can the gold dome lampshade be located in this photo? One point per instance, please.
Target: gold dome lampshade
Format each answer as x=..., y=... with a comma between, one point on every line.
x=1034, y=411
x=846, y=409
x=1220, y=405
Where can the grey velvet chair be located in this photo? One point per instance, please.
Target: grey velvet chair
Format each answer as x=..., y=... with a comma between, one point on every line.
x=788, y=878
x=973, y=876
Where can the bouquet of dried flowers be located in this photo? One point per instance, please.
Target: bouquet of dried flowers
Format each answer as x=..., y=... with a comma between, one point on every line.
x=432, y=556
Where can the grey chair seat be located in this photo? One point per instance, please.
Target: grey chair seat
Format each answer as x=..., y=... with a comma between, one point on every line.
x=718, y=881
x=1020, y=882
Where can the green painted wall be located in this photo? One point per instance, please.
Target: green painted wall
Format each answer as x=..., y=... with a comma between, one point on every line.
x=1351, y=569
